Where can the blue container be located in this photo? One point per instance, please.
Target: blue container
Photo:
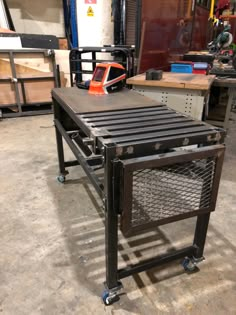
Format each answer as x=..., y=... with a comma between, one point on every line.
x=181, y=68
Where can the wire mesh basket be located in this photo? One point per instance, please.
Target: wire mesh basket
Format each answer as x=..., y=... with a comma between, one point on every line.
x=181, y=186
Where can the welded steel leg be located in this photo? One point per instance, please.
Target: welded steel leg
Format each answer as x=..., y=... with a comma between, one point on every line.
x=59, y=139
x=202, y=220
x=200, y=234
x=111, y=229
x=111, y=235
x=112, y=285
x=60, y=153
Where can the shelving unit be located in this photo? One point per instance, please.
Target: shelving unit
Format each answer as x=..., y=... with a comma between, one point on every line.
x=26, y=90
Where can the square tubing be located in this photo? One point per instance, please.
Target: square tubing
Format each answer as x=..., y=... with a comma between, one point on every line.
x=200, y=234
x=111, y=225
x=154, y=262
x=59, y=140
x=98, y=185
x=60, y=153
x=202, y=223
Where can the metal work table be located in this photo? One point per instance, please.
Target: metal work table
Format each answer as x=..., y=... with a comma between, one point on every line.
x=159, y=166
x=186, y=93
x=229, y=83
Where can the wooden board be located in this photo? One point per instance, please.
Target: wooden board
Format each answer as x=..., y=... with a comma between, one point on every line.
x=38, y=92
x=62, y=59
x=35, y=61
x=176, y=80
x=5, y=69
x=7, y=94
x=63, y=43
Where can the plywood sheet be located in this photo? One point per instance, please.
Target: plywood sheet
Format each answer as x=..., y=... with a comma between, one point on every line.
x=38, y=92
x=176, y=80
x=5, y=69
x=35, y=61
x=62, y=59
x=35, y=92
x=7, y=94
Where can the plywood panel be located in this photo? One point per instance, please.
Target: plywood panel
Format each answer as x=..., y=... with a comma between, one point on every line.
x=62, y=59
x=35, y=61
x=38, y=92
x=5, y=69
x=7, y=94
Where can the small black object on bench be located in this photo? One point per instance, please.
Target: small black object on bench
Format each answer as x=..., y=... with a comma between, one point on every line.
x=153, y=74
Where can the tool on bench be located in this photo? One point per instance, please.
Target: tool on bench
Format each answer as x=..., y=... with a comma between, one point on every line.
x=223, y=40
x=153, y=74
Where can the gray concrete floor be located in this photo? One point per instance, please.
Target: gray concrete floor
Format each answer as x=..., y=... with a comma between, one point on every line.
x=52, y=239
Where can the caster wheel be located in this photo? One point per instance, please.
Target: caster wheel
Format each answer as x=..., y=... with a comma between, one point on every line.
x=61, y=179
x=189, y=265
x=109, y=299
x=105, y=297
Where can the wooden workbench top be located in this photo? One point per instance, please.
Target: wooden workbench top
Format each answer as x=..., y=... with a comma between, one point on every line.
x=176, y=80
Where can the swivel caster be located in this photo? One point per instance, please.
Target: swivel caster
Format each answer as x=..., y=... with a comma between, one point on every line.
x=108, y=298
x=189, y=264
x=61, y=179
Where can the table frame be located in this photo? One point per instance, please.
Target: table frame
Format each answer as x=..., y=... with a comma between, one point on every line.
x=107, y=158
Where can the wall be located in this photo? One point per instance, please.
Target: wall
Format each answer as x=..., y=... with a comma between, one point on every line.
x=202, y=29
x=46, y=17
x=166, y=31
x=38, y=17
x=95, y=30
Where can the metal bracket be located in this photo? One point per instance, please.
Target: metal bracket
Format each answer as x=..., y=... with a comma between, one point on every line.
x=197, y=260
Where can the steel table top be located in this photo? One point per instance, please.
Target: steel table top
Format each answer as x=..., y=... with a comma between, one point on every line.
x=79, y=101
x=128, y=118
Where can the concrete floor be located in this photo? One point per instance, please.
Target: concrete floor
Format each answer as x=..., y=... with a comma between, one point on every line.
x=52, y=239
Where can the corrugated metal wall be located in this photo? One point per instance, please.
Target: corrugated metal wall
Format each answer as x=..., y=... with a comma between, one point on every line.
x=130, y=22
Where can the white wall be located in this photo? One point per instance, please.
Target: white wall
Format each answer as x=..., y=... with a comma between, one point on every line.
x=46, y=17
x=95, y=30
x=38, y=16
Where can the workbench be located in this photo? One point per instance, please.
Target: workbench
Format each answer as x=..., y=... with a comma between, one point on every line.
x=230, y=84
x=186, y=93
x=159, y=166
